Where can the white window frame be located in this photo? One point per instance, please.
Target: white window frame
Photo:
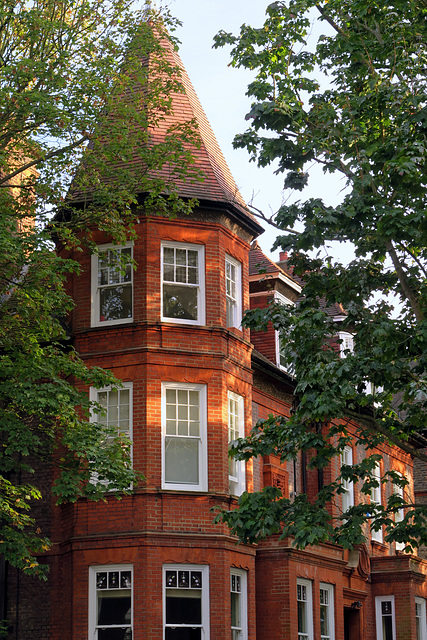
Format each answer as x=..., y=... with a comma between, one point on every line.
x=329, y=588
x=204, y=569
x=200, y=286
x=309, y=609
x=280, y=298
x=422, y=618
x=379, y=616
x=347, y=343
x=95, y=288
x=236, y=303
x=240, y=633
x=202, y=485
x=348, y=495
x=237, y=483
x=94, y=417
x=400, y=514
x=376, y=499
x=92, y=618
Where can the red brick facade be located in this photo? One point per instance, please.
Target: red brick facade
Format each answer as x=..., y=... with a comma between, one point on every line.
x=156, y=528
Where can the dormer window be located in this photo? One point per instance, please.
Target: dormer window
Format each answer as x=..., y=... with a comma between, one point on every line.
x=183, y=283
x=233, y=292
x=112, y=285
x=281, y=360
x=347, y=343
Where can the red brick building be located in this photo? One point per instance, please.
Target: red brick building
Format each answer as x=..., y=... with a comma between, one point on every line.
x=152, y=565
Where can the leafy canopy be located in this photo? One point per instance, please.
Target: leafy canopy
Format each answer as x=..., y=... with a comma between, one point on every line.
x=82, y=85
x=342, y=85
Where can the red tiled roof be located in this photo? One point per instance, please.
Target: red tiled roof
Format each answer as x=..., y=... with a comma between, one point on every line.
x=218, y=185
x=260, y=263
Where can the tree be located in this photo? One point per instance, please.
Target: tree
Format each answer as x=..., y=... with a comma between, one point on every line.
x=342, y=85
x=83, y=83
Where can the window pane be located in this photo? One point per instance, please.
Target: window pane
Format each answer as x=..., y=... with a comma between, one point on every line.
x=387, y=628
x=196, y=579
x=194, y=429
x=125, y=579
x=168, y=273
x=193, y=398
x=235, y=610
x=182, y=395
x=168, y=255
x=232, y=468
x=183, y=428
x=181, y=256
x=182, y=412
x=192, y=258
x=180, y=302
x=183, y=606
x=230, y=312
x=115, y=634
x=124, y=412
x=114, y=607
x=302, y=617
x=324, y=627
x=171, y=427
x=386, y=607
x=181, y=274
x=192, y=275
x=101, y=580
x=194, y=413
x=170, y=411
x=182, y=460
x=171, y=579
x=183, y=633
x=115, y=303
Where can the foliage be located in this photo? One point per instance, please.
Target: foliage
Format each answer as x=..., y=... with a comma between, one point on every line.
x=82, y=85
x=342, y=85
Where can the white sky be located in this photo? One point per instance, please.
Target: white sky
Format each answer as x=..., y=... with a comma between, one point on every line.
x=221, y=90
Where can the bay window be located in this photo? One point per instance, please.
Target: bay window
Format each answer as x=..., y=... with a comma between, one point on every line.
x=384, y=612
x=110, y=602
x=304, y=609
x=238, y=603
x=327, y=618
x=420, y=618
x=183, y=283
x=112, y=285
x=186, y=602
x=233, y=292
x=184, y=437
x=236, y=429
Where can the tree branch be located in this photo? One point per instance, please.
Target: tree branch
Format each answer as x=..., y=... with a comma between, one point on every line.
x=260, y=214
x=374, y=425
x=52, y=154
x=404, y=283
x=414, y=257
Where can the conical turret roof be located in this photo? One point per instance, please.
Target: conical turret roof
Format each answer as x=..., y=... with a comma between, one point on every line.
x=216, y=189
x=218, y=185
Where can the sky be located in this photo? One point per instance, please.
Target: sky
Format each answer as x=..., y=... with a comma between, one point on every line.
x=221, y=90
